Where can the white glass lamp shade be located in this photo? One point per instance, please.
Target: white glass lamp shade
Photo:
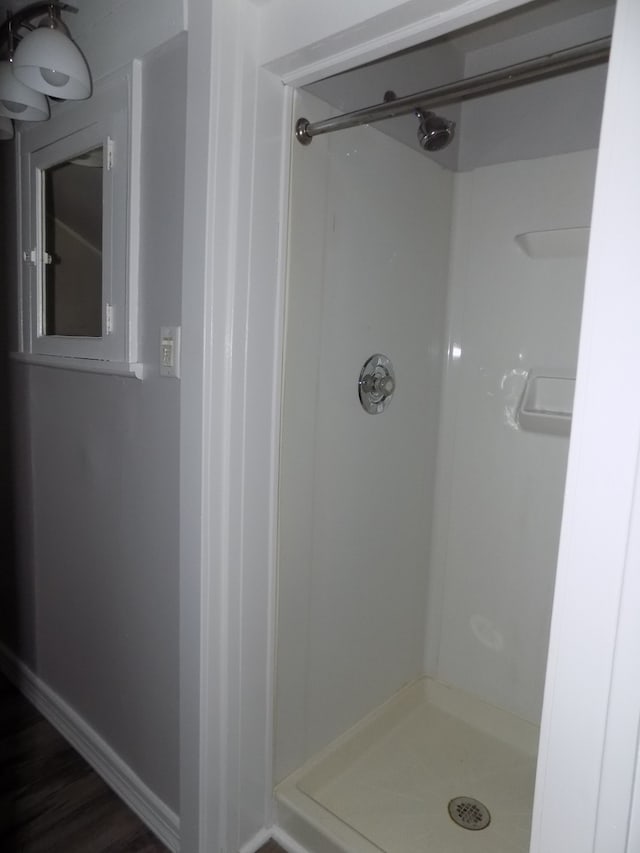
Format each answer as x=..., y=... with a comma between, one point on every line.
x=49, y=62
x=19, y=101
x=6, y=128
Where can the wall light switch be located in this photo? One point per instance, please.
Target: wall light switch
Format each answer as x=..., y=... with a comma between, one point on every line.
x=170, y=351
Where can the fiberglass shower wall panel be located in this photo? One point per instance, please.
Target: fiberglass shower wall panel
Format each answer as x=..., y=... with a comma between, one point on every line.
x=368, y=266
x=528, y=164
x=500, y=489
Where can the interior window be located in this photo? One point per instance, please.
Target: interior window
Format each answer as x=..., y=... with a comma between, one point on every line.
x=80, y=216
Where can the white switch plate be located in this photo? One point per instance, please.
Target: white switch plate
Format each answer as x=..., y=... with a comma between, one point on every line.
x=170, y=351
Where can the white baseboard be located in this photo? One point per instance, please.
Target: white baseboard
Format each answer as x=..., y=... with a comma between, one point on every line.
x=160, y=819
x=286, y=841
x=255, y=843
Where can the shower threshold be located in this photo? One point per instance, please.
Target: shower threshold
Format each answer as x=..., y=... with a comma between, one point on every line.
x=387, y=783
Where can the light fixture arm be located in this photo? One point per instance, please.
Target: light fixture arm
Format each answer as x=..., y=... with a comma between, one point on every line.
x=10, y=37
x=23, y=18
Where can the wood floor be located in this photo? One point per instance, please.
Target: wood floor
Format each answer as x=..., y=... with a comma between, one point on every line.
x=271, y=847
x=51, y=801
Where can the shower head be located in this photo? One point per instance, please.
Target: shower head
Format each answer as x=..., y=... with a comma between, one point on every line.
x=434, y=132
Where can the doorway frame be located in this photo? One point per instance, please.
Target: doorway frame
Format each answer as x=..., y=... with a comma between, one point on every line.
x=244, y=61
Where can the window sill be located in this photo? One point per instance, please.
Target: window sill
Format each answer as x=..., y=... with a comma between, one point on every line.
x=133, y=370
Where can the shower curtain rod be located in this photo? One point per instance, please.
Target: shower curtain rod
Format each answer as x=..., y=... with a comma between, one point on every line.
x=559, y=62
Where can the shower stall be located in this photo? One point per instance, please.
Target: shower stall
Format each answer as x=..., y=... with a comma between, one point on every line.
x=435, y=279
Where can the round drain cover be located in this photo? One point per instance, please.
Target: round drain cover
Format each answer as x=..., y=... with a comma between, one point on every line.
x=469, y=813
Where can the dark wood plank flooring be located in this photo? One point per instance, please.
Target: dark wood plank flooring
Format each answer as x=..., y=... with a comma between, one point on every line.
x=271, y=847
x=51, y=801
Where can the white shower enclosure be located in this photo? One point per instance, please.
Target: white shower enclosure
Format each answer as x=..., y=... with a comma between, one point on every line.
x=421, y=542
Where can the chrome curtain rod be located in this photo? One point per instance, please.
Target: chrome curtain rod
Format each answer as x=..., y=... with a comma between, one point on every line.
x=562, y=61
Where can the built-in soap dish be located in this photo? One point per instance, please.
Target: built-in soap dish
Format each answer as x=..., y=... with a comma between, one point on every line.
x=546, y=404
x=555, y=243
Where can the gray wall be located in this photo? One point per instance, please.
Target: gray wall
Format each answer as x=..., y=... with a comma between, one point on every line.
x=97, y=492
x=15, y=586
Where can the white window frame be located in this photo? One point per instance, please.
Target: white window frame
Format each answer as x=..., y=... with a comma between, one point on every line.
x=111, y=119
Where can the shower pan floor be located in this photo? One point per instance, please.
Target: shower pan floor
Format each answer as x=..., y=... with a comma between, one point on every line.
x=386, y=784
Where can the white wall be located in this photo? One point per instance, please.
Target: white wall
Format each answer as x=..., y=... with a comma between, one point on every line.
x=97, y=474
x=111, y=33
x=298, y=36
x=368, y=267
x=500, y=489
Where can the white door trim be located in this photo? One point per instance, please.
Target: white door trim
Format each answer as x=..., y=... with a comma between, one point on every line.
x=589, y=734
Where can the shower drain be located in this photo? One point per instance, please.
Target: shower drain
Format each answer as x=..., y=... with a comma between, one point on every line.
x=469, y=813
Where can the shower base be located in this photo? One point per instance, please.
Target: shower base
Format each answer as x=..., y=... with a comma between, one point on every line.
x=387, y=783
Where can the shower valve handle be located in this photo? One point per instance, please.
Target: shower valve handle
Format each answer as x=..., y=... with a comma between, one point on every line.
x=387, y=385
x=376, y=384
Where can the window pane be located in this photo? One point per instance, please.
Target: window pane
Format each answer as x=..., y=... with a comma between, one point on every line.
x=72, y=272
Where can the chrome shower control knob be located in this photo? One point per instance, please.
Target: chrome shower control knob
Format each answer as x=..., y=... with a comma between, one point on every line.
x=376, y=384
x=387, y=385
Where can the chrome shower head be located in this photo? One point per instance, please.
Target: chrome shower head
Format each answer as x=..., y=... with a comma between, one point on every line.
x=434, y=132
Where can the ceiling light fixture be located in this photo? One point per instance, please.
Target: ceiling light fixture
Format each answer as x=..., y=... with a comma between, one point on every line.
x=45, y=62
x=48, y=61
x=19, y=101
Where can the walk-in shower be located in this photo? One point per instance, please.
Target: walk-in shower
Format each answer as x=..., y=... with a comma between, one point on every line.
x=417, y=548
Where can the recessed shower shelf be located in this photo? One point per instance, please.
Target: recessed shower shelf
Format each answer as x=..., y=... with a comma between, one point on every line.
x=555, y=243
x=546, y=404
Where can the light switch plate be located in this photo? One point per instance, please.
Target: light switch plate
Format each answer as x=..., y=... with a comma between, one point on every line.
x=170, y=351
